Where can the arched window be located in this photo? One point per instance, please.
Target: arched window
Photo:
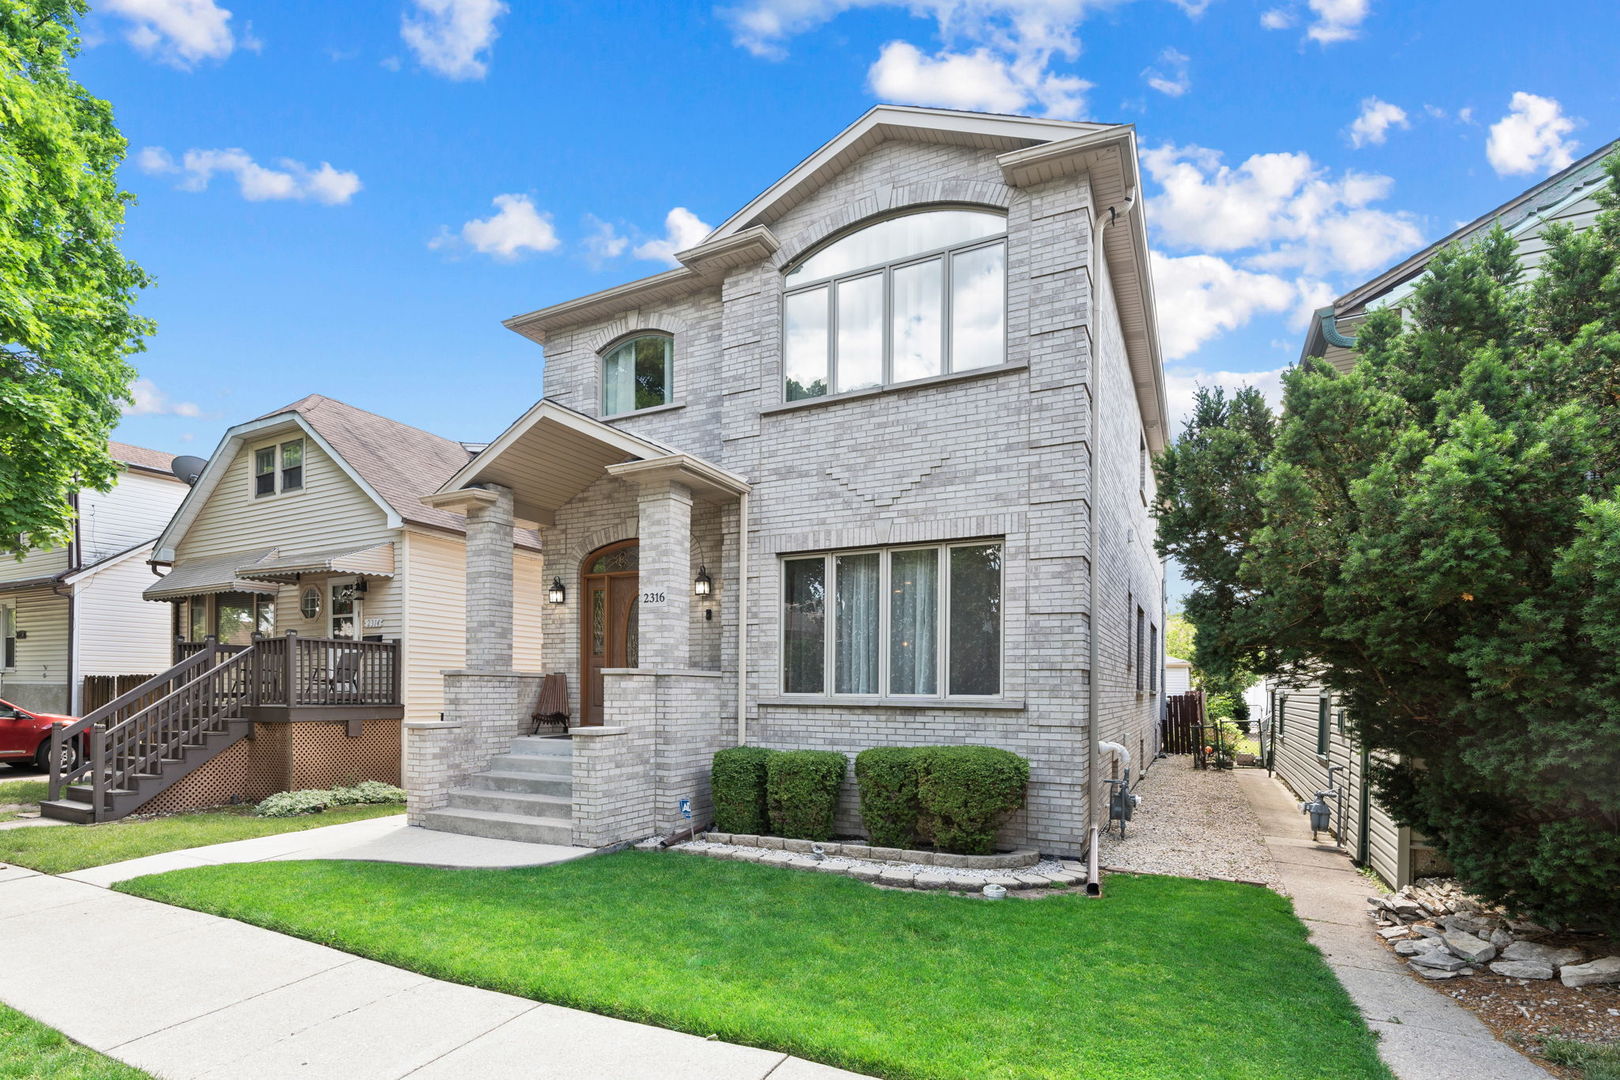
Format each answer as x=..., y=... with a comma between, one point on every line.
x=638, y=373
x=901, y=299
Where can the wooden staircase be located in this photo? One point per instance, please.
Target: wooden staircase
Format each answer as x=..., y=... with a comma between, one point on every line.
x=144, y=742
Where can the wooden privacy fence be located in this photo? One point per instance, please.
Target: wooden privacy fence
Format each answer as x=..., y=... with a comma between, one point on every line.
x=101, y=689
x=1183, y=724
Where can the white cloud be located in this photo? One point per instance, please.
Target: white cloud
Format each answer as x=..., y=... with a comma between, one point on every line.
x=1331, y=20
x=179, y=33
x=1180, y=384
x=452, y=37
x=682, y=229
x=1170, y=77
x=1532, y=137
x=1199, y=297
x=1283, y=209
x=150, y=401
x=1371, y=127
x=293, y=180
x=514, y=229
x=994, y=54
x=602, y=242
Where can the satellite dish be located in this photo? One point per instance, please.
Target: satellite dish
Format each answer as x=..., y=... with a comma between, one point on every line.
x=188, y=468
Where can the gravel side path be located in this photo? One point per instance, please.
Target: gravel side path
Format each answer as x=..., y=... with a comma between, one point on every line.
x=1192, y=823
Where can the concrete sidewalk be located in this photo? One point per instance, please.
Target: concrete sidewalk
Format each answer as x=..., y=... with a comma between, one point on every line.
x=186, y=995
x=1423, y=1035
x=383, y=839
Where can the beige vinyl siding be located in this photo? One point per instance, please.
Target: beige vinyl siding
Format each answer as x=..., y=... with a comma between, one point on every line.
x=135, y=510
x=436, y=601
x=120, y=633
x=35, y=564
x=1578, y=215
x=330, y=512
x=40, y=679
x=529, y=597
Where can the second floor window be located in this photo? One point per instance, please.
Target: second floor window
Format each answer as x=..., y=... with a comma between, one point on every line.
x=638, y=374
x=285, y=461
x=905, y=298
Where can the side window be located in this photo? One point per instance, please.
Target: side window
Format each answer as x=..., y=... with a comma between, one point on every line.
x=278, y=468
x=638, y=374
x=1323, y=706
x=292, y=465
x=1282, y=714
x=8, y=617
x=1141, y=618
x=264, y=471
x=1153, y=658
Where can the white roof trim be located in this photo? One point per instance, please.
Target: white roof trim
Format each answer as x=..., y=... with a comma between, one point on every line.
x=546, y=409
x=214, y=472
x=901, y=116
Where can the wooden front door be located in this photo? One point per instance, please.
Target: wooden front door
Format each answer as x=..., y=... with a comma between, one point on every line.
x=610, y=579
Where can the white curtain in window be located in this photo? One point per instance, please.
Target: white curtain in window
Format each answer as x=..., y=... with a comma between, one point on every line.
x=914, y=622
x=855, y=641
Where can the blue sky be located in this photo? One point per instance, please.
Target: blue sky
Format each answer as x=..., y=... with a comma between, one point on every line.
x=348, y=198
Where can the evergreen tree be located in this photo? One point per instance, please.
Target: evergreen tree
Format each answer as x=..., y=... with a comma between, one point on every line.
x=1436, y=535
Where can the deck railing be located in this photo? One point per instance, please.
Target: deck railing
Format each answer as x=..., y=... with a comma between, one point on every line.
x=304, y=672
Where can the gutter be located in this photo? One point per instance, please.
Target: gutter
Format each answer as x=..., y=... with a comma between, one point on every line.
x=742, y=618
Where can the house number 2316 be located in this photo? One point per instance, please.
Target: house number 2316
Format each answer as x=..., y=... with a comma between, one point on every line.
x=653, y=598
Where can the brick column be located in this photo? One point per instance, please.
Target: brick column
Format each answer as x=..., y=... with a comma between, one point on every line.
x=665, y=529
x=489, y=582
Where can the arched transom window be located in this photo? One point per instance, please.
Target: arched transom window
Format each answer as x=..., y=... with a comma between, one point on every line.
x=902, y=299
x=638, y=373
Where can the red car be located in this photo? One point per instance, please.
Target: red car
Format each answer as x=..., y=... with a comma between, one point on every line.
x=25, y=738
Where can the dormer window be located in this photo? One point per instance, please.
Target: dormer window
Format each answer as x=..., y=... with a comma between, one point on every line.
x=278, y=468
x=906, y=298
x=638, y=374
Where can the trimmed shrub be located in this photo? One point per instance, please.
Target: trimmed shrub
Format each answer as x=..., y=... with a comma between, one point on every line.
x=887, y=778
x=801, y=790
x=367, y=792
x=294, y=803
x=737, y=780
x=966, y=792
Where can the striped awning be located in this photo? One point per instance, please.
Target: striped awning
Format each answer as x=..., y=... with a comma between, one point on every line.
x=201, y=577
x=368, y=560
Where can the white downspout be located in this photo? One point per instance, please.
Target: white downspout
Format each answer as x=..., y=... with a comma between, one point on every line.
x=742, y=619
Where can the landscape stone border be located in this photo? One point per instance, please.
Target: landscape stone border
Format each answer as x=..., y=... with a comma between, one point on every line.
x=1028, y=877
x=1009, y=860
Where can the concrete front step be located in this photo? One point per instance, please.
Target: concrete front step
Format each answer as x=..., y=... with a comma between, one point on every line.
x=498, y=826
x=512, y=802
x=529, y=782
x=542, y=746
x=534, y=764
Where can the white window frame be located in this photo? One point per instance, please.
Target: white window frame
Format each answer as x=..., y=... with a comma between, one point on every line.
x=620, y=342
x=329, y=606
x=278, y=486
x=8, y=628
x=942, y=632
x=945, y=254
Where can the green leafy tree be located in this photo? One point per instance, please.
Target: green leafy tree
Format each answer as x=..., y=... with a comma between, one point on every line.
x=65, y=290
x=1436, y=535
x=1179, y=633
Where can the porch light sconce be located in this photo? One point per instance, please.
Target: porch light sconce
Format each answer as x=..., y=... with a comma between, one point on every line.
x=702, y=586
x=556, y=594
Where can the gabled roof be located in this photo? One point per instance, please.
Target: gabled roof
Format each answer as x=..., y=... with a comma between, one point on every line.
x=393, y=463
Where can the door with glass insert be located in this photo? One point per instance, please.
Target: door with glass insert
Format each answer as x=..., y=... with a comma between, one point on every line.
x=610, y=583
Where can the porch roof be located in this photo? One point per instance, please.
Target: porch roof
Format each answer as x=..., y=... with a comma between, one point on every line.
x=365, y=560
x=201, y=577
x=552, y=453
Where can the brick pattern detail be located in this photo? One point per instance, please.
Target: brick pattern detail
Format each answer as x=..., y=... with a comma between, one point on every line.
x=484, y=712
x=489, y=584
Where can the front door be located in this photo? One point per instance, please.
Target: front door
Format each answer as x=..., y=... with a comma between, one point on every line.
x=609, y=579
x=344, y=621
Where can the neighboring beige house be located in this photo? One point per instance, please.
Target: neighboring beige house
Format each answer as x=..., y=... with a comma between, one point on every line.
x=869, y=467
x=1304, y=719
x=1177, y=675
x=68, y=612
x=308, y=522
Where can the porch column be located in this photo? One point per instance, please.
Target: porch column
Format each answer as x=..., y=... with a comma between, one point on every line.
x=489, y=581
x=665, y=528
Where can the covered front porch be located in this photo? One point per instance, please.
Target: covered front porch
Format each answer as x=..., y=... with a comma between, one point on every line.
x=645, y=581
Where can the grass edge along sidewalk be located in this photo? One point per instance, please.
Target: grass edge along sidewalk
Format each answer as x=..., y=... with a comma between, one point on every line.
x=1164, y=978
x=31, y=1051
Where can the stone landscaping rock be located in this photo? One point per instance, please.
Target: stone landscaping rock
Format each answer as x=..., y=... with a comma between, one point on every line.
x=801, y=846
x=886, y=854
x=1064, y=880
x=864, y=873
x=718, y=837
x=1429, y=932
x=945, y=858
x=830, y=868
x=1474, y=950
x=1393, y=933
x=856, y=851
x=774, y=843
x=1523, y=969
x=1031, y=881
x=1526, y=928
x=1439, y=959
x=1437, y=973
x=1501, y=938
x=1542, y=954
x=777, y=858
x=930, y=880
x=1606, y=970
x=1006, y=881
x=745, y=840
x=896, y=877
x=1413, y=946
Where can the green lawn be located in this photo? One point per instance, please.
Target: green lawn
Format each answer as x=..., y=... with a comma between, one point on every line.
x=31, y=1051
x=1164, y=977
x=15, y=792
x=60, y=849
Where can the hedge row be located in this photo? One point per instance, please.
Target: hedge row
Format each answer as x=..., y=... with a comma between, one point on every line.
x=952, y=796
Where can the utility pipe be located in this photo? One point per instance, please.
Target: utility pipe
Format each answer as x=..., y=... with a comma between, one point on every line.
x=1093, y=876
x=742, y=619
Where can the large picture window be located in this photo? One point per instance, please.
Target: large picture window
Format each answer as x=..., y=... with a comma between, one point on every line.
x=906, y=298
x=638, y=374
x=906, y=622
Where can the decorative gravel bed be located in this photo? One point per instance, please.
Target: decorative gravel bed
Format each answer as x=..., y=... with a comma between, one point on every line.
x=1043, y=874
x=1192, y=823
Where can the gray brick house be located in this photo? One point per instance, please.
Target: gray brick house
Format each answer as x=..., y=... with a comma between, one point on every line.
x=880, y=445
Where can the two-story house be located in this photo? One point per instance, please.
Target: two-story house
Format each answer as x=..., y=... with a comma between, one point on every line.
x=869, y=467
x=76, y=611
x=315, y=603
